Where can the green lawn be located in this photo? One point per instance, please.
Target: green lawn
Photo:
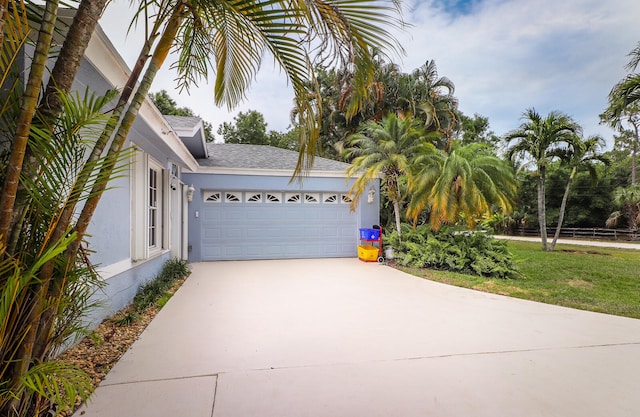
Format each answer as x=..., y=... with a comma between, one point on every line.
x=589, y=278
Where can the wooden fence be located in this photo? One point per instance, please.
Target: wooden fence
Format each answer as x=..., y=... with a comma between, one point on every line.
x=582, y=233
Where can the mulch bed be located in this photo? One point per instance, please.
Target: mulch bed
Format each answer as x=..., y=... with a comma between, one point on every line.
x=98, y=353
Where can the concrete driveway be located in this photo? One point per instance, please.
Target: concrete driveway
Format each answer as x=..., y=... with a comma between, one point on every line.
x=339, y=337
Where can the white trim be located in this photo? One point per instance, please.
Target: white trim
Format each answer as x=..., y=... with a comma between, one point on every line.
x=267, y=172
x=107, y=62
x=139, y=198
x=183, y=131
x=114, y=269
x=119, y=267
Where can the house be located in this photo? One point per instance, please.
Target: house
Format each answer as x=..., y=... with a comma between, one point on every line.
x=245, y=206
x=139, y=223
x=180, y=197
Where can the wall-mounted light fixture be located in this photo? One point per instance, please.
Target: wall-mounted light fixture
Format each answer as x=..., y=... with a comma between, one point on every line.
x=190, y=191
x=371, y=195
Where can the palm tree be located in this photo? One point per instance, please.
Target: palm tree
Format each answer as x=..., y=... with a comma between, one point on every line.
x=585, y=154
x=541, y=140
x=628, y=199
x=616, y=115
x=627, y=91
x=386, y=149
x=467, y=183
x=437, y=103
x=236, y=35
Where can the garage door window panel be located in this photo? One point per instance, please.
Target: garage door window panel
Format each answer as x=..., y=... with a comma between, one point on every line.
x=213, y=197
x=233, y=197
x=254, y=197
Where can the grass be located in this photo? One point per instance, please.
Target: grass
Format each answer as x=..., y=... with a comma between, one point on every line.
x=605, y=280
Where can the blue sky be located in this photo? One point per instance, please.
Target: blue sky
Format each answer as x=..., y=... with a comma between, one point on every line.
x=504, y=56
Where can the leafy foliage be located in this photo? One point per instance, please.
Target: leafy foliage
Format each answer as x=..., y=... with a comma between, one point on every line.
x=465, y=252
x=154, y=290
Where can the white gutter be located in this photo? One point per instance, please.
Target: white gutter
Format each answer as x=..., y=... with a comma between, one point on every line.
x=108, y=62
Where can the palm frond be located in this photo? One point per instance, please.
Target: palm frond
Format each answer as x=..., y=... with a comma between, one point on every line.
x=59, y=382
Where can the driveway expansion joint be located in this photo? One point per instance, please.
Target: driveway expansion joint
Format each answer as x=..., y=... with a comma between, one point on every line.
x=177, y=378
x=441, y=356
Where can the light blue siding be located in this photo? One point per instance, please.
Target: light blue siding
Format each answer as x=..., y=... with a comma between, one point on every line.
x=234, y=231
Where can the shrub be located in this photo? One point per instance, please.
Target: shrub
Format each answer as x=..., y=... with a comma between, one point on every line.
x=155, y=289
x=466, y=252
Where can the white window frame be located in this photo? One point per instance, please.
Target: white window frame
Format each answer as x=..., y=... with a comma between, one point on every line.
x=208, y=194
x=155, y=207
x=142, y=245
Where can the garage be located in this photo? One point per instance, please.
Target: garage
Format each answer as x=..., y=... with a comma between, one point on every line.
x=277, y=225
x=245, y=206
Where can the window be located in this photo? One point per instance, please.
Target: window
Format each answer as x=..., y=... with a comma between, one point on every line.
x=292, y=198
x=312, y=198
x=213, y=197
x=345, y=199
x=330, y=198
x=232, y=197
x=149, y=181
x=155, y=189
x=253, y=197
x=274, y=197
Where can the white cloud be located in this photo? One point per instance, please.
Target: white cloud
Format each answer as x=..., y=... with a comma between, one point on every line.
x=504, y=56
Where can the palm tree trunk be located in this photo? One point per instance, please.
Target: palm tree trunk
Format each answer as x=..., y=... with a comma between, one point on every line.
x=24, y=355
x=542, y=215
x=73, y=50
x=396, y=212
x=159, y=56
x=634, y=153
x=27, y=112
x=61, y=80
x=563, y=207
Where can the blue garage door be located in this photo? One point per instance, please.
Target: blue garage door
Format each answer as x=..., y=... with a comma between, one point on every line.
x=277, y=225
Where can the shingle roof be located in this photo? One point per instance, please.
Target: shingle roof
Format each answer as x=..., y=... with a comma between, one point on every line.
x=182, y=122
x=228, y=155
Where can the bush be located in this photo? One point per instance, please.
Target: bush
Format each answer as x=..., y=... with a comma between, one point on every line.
x=153, y=290
x=465, y=252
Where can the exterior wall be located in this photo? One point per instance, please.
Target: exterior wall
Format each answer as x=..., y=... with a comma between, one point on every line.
x=121, y=287
x=110, y=234
x=368, y=214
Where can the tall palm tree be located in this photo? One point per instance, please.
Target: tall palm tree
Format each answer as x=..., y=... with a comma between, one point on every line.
x=627, y=91
x=228, y=38
x=467, y=183
x=386, y=149
x=616, y=115
x=628, y=199
x=585, y=154
x=437, y=102
x=540, y=140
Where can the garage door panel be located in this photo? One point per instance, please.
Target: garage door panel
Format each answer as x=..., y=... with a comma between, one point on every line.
x=233, y=230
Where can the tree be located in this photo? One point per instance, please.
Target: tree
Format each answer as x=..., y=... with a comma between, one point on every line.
x=627, y=91
x=236, y=34
x=421, y=93
x=540, y=140
x=629, y=138
x=249, y=128
x=468, y=183
x=584, y=154
x=476, y=130
x=628, y=199
x=386, y=149
x=439, y=107
x=169, y=107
